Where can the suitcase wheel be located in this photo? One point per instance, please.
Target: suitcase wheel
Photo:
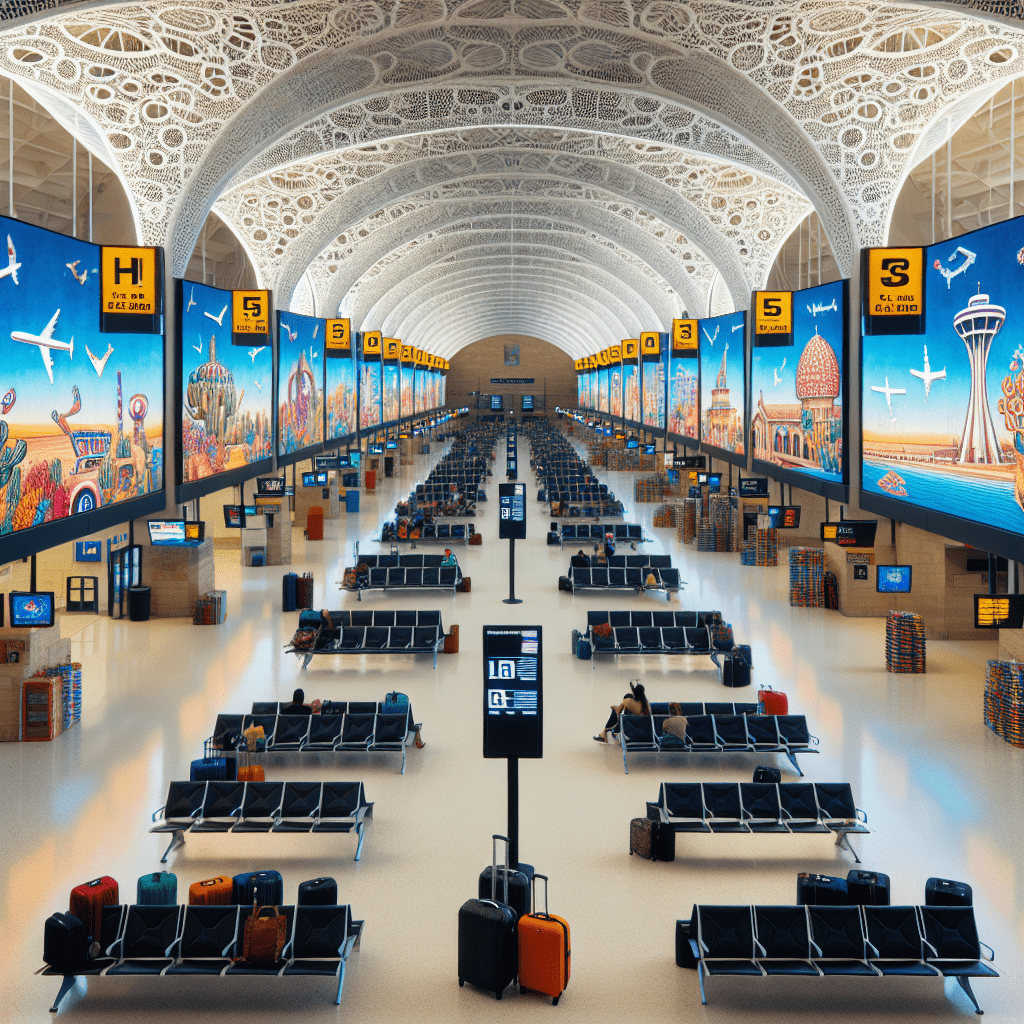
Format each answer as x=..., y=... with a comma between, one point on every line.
x=461, y=982
x=497, y=995
x=554, y=999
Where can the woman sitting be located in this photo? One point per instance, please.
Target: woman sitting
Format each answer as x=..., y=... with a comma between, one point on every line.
x=633, y=703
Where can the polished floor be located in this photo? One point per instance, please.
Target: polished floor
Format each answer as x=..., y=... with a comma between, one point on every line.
x=942, y=794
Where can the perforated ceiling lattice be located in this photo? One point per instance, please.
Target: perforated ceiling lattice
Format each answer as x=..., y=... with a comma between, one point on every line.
x=818, y=101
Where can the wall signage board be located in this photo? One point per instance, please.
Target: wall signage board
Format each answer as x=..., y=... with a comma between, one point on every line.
x=250, y=317
x=512, y=380
x=773, y=318
x=339, y=338
x=852, y=533
x=131, y=290
x=893, y=291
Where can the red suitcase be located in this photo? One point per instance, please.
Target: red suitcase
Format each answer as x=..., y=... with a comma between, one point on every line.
x=772, y=702
x=88, y=901
x=545, y=956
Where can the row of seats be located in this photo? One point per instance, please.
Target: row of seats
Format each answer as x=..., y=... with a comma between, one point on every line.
x=607, y=509
x=176, y=941
x=653, y=639
x=640, y=561
x=681, y=619
x=335, y=707
x=718, y=734
x=692, y=708
x=599, y=578
x=595, y=531
x=403, y=561
x=817, y=942
x=441, y=532
x=785, y=808
x=261, y=807
x=416, y=617
x=375, y=640
x=445, y=578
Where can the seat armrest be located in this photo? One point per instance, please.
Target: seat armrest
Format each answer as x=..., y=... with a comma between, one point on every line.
x=814, y=944
x=991, y=952
x=158, y=813
x=874, y=948
x=813, y=740
x=861, y=816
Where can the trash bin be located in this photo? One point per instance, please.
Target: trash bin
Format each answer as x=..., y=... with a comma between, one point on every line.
x=138, y=604
x=351, y=501
x=371, y=479
x=349, y=479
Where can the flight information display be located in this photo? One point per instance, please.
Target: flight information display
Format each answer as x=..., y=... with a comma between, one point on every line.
x=513, y=691
x=723, y=382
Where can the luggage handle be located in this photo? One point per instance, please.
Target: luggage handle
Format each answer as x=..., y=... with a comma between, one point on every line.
x=533, y=891
x=494, y=866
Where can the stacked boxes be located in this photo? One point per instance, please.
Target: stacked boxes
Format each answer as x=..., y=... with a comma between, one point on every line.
x=748, y=553
x=806, y=577
x=688, y=527
x=767, y=547
x=1004, y=700
x=904, y=642
x=649, y=488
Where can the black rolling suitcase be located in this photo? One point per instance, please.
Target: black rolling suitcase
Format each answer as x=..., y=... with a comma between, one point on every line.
x=488, y=941
x=288, y=585
x=553, y=539
x=867, y=889
x=318, y=892
x=820, y=890
x=944, y=892
x=520, y=881
x=736, y=668
x=831, y=590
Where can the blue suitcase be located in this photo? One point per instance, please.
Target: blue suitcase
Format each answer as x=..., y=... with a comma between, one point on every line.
x=209, y=769
x=157, y=889
x=263, y=887
x=584, y=650
x=288, y=583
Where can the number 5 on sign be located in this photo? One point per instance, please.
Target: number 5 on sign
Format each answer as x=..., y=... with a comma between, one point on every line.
x=773, y=318
x=339, y=337
x=250, y=316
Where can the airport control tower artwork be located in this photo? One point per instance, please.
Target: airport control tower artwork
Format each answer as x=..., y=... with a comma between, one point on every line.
x=978, y=325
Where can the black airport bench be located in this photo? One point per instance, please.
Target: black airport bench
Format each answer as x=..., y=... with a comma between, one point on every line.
x=349, y=726
x=717, y=734
x=377, y=632
x=258, y=808
x=632, y=575
x=834, y=942
x=761, y=808
x=593, y=533
x=408, y=572
x=193, y=941
x=683, y=632
x=439, y=533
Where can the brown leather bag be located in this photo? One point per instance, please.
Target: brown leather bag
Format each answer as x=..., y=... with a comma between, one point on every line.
x=263, y=937
x=603, y=629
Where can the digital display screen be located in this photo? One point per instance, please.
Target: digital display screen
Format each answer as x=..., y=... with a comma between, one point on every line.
x=314, y=479
x=856, y=533
x=654, y=371
x=227, y=391
x=327, y=462
x=512, y=509
x=391, y=445
x=195, y=531
x=166, y=531
x=300, y=382
x=998, y=611
x=340, y=397
x=250, y=510
x=615, y=389
x=496, y=401
x=603, y=378
x=234, y=517
x=714, y=482
x=753, y=486
x=631, y=392
x=376, y=449
x=390, y=393
x=370, y=409
x=723, y=384
x=407, y=388
x=894, y=579
x=270, y=485
x=784, y=517
x=513, y=691
x=684, y=396
x=702, y=478
x=31, y=609
x=943, y=412
x=419, y=392
x=82, y=409
x=650, y=449
x=798, y=390
x=632, y=443
x=527, y=403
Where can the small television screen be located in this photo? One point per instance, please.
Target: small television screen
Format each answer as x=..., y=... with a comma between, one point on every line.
x=650, y=449
x=391, y=445
x=894, y=579
x=376, y=449
x=714, y=481
x=166, y=531
x=31, y=608
x=353, y=460
x=250, y=510
x=785, y=517
x=752, y=486
x=998, y=611
x=702, y=478
x=343, y=462
x=234, y=517
x=495, y=401
x=270, y=485
x=195, y=531
x=289, y=491
x=632, y=443
x=527, y=403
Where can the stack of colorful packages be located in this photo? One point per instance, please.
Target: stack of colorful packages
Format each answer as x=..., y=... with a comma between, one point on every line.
x=71, y=690
x=767, y=547
x=904, y=642
x=1004, y=700
x=806, y=577
x=748, y=553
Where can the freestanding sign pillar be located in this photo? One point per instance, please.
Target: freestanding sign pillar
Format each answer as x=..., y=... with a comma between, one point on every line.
x=512, y=524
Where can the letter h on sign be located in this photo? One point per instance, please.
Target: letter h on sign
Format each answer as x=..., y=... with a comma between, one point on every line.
x=135, y=270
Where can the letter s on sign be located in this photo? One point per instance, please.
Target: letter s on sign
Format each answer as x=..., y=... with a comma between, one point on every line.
x=897, y=268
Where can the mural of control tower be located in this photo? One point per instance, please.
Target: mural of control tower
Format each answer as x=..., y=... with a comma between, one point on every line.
x=723, y=362
x=978, y=325
x=723, y=426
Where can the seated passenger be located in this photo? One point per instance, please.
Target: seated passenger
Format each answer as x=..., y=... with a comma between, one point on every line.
x=297, y=706
x=449, y=558
x=633, y=703
x=580, y=560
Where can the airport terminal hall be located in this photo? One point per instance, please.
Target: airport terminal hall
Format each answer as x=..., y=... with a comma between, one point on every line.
x=512, y=510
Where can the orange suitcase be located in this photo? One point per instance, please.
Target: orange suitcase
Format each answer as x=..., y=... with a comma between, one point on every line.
x=545, y=956
x=251, y=773
x=211, y=892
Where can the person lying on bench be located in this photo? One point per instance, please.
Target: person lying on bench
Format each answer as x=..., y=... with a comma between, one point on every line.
x=633, y=703
x=298, y=705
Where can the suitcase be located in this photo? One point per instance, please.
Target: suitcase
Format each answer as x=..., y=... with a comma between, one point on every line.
x=396, y=703
x=820, y=890
x=564, y=583
x=157, y=889
x=584, y=649
x=252, y=773
x=476, y=538
x=288, y=583
x=831, y=590
x=488, y=945
x=576, y=634
x=315, y=523
x=554, y=526
x=67, y=945
x=553, y=538
x=304, y=591
x=209, y=769
x=772, y=702
x=652, y=840
x=318, y=892
x=518, y=887
x=762, y=773
x=265, y=888
x=89, y=899
x=735, y=671
x=211, y=892
x=867, y=889
x=545, y=953
x=944, y=892
x=465, y=585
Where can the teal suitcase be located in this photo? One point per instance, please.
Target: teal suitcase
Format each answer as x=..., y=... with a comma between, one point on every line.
x=157, y=889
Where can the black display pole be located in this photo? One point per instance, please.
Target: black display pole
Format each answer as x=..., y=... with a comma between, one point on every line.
x=513, y=813
x=512, y=599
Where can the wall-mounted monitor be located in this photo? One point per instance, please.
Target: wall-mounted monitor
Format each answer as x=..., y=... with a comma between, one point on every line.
x=166, y=531
x=850, y=533
x=702, y=479
x=234, y=517
x=391, y=444
x=82, y=408
x=195, y=531
x=496, y=402
x=998, y=611
x=784, y=517
x=376, y=449
x=714, y=482
x=370, y=399
x=753, y=486
x=941, y=412
x=227, y=398
x=270, y=485
x=250, y=510
x=894, y=579
x=632, y=443
x=723, y=382
x=527, y=403
x=798, y=394
x=300, y=385
x=654, y=372
x=340, y=392
x=31, y=608
x=314, y=479
x=650, y=449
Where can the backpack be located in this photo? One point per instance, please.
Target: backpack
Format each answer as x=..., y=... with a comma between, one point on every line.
x=395, y=703
x=603, y=630
x=403, y=530
x=304, y=639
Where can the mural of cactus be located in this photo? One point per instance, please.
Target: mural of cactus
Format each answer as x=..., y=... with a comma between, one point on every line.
x=106, y=474
x=9, y=457
x=1011, y=405
x=124, y=448
x=57, y=472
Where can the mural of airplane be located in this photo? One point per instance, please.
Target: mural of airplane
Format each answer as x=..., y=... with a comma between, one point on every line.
x=778, y=379
x=254, y=352
x=312, y=354
x=99, y=364
x=292, y=335
x=218, y=320
x=192, y=300
x=316, y=330
x=79, y=277
x=45, y=342
x=11, y=270
x=711, y=337
x=259, y=386
x=889, y=392
x=928, y=374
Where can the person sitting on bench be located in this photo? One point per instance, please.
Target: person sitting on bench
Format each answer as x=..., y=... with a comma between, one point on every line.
x=449, y=558
x=297, y=706
x=633, y=703
x=580, y=560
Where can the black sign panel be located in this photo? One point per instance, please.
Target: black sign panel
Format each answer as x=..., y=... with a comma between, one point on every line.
x=513, y=692
x=850, y=533
x=753, y=486
x=690, y=462
x=512, y=511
